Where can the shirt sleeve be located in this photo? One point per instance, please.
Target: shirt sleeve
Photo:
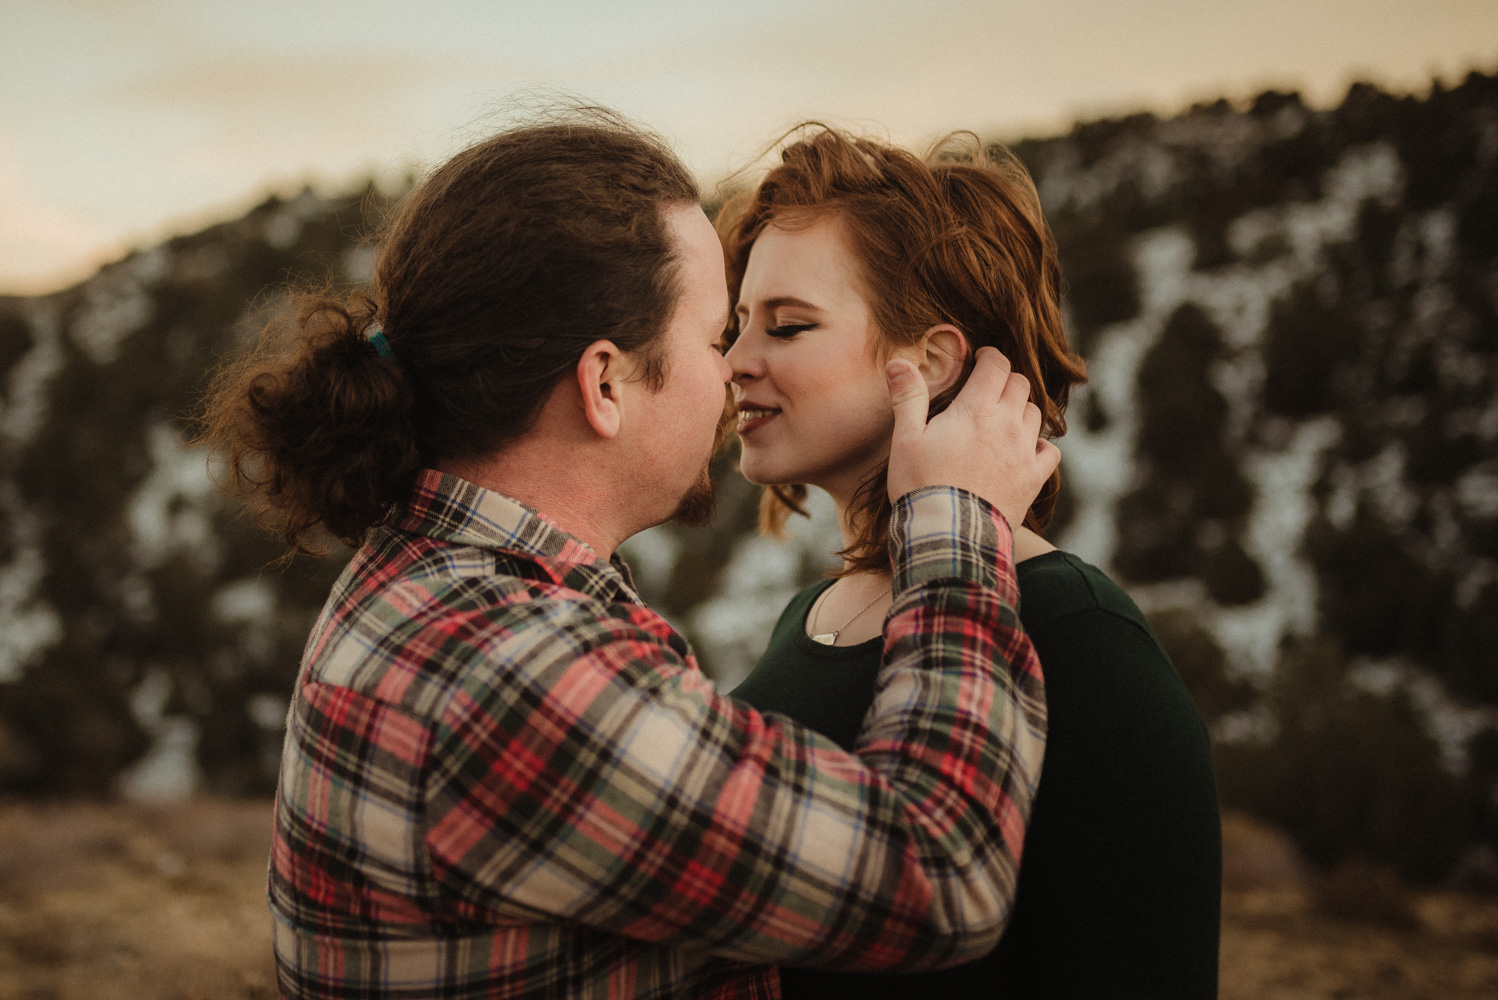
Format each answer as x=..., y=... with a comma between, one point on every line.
x=603, y=781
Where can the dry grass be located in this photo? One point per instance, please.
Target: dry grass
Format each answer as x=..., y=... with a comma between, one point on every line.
x=101, y=902
x=1291, y=934
x=105, y=902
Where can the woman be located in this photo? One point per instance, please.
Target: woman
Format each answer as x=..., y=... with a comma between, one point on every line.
x=850, y=253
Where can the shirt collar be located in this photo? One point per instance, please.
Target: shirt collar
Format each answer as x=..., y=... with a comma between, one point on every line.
x=454, y=510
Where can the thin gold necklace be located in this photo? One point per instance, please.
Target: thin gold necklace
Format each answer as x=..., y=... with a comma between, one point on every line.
x=829, y=638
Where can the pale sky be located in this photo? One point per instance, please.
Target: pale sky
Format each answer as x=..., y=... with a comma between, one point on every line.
x=125, y=121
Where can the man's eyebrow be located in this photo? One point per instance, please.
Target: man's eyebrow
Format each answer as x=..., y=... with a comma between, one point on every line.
x=783, y=300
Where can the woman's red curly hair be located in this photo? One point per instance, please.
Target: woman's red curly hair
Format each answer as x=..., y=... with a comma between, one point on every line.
x=953, y=237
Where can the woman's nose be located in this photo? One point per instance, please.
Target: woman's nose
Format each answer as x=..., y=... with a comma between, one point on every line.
x=746, y=366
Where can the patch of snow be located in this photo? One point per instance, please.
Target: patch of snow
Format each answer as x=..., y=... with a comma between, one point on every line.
x=1480, y=574
x=652, y=555
x=117, y=302
x=1369, y=172
x=1183, y=593
x=267, y=711
x=1438, y=237
x=284, y=227
x=1240, y=379
x=1099, y=465
x=1286, y=123
x=1154, y=170
x=29, y=378
x=1365, y=173
x=1240, y=301
x=760, y=579
x=1449, y=722
x=1064, y=184
x=1384, y=483
x=31, y=626
x=1226, y=138
x=169, y=770
x=1256, y=725
x=1055, y=177
x=1249, y=636
x=282, y=230
x=250, y=604
x=1162, y=261
x=244, y=601
x=1380, y=482
x=137, y=598
x=148, y=700
x=1477, y=491
x=169, y=514
x=1276, y=527
x=1447, y=546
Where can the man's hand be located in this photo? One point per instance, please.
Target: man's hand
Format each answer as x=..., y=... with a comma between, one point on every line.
x=987, y=442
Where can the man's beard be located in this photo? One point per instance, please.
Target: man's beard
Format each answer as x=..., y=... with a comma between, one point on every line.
x=697, y=506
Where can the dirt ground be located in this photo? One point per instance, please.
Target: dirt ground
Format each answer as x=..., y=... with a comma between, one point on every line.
x=102, y=902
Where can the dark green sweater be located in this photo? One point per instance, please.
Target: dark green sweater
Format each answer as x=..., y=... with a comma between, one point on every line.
x=1120, y=885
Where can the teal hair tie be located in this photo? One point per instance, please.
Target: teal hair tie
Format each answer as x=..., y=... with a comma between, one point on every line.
x=381, y=345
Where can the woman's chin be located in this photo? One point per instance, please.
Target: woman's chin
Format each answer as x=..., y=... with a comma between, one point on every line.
x=757, y=472
x=762, y=469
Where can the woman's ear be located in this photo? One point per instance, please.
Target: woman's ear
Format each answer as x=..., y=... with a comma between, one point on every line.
x=941, y=352
x=598, y=374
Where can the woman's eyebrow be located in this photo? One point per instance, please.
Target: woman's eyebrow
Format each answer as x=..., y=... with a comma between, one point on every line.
x=788, y=300
x=779, y=301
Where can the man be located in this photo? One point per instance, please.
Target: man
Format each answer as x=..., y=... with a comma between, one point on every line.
x=503, y=775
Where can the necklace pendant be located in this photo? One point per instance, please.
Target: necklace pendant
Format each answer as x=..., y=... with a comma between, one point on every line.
x=825, y=638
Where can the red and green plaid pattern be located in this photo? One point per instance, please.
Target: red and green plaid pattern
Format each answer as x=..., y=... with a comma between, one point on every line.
x=504, y=776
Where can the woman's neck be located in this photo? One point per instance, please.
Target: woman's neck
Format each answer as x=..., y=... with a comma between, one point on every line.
x=845, y=523
x=1028, y=545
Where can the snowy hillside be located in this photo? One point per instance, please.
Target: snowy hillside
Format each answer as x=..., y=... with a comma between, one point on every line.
x=1288, y=453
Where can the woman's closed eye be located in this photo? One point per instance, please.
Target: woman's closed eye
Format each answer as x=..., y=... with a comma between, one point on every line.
x=785, y=330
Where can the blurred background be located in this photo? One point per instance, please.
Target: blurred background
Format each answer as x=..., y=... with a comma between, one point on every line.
x=1279, y=230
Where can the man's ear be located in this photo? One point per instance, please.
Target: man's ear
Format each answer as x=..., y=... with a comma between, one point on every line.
x=940, y=354
x=599, y=372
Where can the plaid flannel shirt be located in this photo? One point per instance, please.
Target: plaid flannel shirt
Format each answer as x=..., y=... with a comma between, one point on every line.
x=504, y=776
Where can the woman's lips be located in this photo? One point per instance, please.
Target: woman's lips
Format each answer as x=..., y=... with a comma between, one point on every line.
x=752, y=419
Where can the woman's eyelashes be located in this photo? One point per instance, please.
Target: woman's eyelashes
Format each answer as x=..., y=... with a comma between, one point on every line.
x=782, y=332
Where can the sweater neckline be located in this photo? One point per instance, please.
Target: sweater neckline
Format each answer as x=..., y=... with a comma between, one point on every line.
x=808, y=645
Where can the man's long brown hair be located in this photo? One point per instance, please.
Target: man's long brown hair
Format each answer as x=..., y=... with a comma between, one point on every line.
x=954, y=237
x=492, y=278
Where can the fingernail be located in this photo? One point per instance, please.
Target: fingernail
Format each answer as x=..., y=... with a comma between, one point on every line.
x=898, y=370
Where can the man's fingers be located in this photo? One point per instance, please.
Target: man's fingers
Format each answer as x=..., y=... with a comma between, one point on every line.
x=907, y=393
x=1016, y=390
x=986, y=383
x=1047, y=457
x=1031, y=419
